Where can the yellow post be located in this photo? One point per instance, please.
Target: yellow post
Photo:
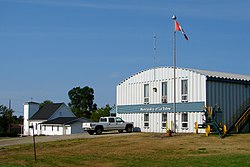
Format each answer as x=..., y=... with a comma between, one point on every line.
x=207, y=130
x=196, y=127
x=224, y=129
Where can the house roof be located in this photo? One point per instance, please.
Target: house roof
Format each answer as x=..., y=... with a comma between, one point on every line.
x=66, y=120
x=46, y=111
x=60, y=120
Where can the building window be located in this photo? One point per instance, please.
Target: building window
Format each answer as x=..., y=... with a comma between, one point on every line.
x=57, y=128
x=52, y=127
x=184, y=120
x=164, y=120
x=184, y=91
x=35, y=126
x=40, y=127
x=146, y=93
x=146, y=120
x=164, y=92
x=44, y=127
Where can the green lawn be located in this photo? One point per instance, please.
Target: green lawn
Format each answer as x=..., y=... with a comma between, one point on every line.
x=142, y=149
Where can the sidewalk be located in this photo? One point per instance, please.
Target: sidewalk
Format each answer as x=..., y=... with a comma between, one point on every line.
x=29, y=139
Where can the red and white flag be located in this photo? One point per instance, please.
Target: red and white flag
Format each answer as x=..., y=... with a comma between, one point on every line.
x=178, y=28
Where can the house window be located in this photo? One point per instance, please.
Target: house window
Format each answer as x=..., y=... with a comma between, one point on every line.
x=164, y=92
x=60, y=114
x=52, y=127
x=184, y=120
x=35, y=126
x=146, y=120
x=57, y=128
x=40, y=127
x=44, y=127
x=184, y=91
x=164, y=120
x=146, y=93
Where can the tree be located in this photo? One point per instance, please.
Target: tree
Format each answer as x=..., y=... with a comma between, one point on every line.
x=5, y=118
x=45, y=102
x=101, y=112
x=82, y=101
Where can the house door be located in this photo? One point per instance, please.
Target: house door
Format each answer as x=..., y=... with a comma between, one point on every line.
x=67, y=130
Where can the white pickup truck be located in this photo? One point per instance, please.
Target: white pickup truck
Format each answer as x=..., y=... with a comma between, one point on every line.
x=107, y=124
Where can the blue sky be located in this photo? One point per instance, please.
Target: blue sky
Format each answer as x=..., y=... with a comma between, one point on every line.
x=47, y=47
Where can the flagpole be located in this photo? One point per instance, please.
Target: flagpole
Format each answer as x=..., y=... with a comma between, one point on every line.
x=174, y=61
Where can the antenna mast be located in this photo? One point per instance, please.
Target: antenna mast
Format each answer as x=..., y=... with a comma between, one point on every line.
x=154, y=45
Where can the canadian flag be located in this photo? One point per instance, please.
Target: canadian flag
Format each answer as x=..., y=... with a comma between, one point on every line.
x=178, y=28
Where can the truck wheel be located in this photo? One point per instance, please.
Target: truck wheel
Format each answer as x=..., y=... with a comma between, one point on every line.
x=120, y=131
x=129, y=129
x=98, y=130
x=91, y=132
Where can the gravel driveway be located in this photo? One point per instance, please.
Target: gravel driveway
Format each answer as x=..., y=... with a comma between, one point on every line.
x=29, y=139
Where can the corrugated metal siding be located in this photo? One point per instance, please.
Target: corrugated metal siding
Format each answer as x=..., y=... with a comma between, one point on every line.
x=155, y=121
x=229, y=96
x=130, y=91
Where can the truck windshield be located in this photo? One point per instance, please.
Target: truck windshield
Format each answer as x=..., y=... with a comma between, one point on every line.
x=103, y=119
x=119, y=119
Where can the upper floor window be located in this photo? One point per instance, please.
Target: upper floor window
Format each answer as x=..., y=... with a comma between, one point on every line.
x=164, y=92
x=146, y=93
x=184, y=90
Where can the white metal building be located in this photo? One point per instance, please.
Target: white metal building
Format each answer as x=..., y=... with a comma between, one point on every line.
x=146, y=98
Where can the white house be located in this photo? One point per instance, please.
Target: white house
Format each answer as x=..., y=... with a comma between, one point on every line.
x=51, y=119
x=147, y=98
